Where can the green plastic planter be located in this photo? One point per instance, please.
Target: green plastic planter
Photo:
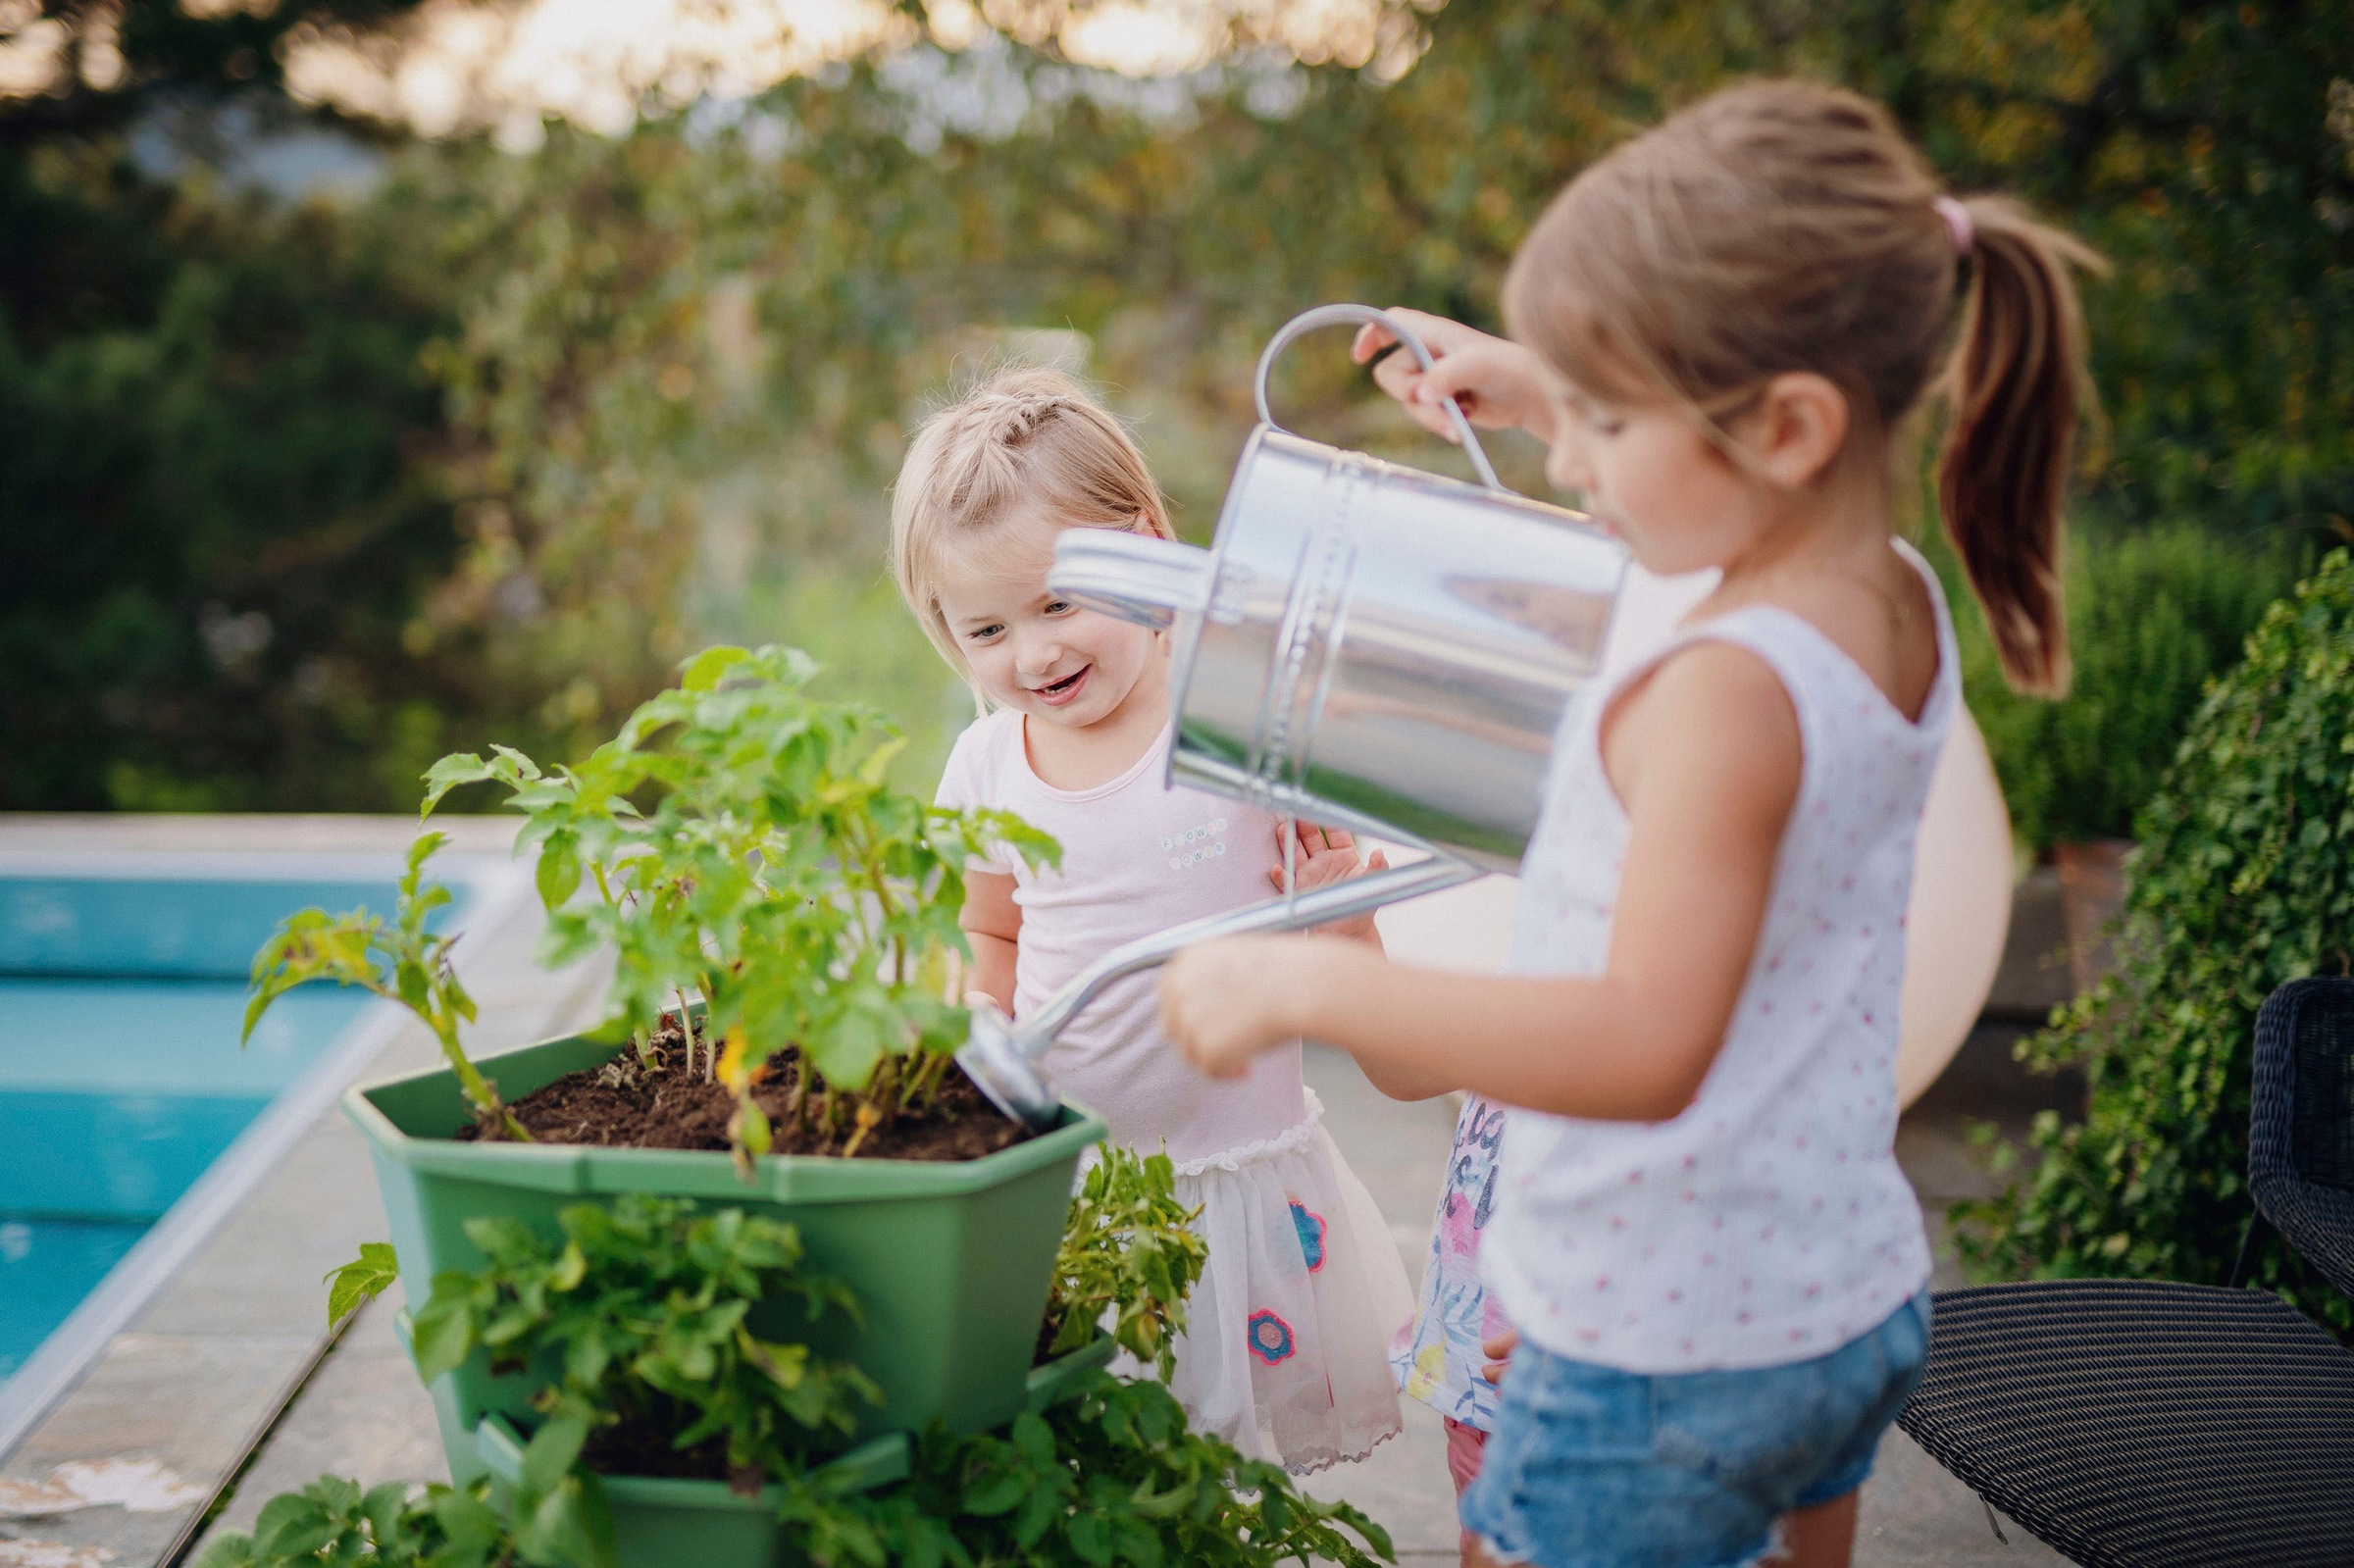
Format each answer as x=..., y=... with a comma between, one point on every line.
x=951, y=1261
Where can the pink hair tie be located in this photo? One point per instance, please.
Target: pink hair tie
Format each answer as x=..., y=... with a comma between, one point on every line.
x=1957, y=224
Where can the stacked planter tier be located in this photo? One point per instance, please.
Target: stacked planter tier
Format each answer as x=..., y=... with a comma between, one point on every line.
x=950, y=1261
x=660, y=1522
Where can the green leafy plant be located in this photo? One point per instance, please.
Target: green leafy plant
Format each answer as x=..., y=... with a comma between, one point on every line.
x=332, y=1523
x=2244, y=882
x=1109, y=1474
x=777, y=875
x=400, y=960
x=2154, y=614
x=1128, y=1253
x=642, y=1313
x=641, y=1316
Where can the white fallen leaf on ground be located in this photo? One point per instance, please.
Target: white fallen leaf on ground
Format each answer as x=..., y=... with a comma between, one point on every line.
x=52, y=1554
x=138, y=1485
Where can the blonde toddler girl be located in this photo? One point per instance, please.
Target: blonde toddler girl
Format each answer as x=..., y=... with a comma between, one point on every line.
x=1284, y=1353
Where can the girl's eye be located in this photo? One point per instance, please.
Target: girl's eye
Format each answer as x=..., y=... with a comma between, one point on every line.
x=1060, y=607
x=983, y=633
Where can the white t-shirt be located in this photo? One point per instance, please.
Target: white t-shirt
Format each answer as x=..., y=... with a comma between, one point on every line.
x=1138, y=857
x=1769, y=1223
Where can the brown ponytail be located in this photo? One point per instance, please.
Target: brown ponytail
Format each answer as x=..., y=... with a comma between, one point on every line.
x=1781, y=225
x=2015, y=378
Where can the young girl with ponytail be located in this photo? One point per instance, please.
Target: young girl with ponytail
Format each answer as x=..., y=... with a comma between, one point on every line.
x=1715, y=1268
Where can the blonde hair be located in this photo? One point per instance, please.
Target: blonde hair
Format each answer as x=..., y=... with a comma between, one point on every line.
x=1781, y=226
x=1021, y=439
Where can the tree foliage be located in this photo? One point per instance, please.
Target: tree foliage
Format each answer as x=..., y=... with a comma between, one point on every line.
x=594, y=406
x=2244, y=882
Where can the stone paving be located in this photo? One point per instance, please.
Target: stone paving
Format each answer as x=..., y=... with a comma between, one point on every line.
x=247, y=1322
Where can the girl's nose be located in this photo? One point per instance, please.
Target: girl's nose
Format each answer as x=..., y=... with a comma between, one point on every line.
x=1565, y=465
x=1035, y=656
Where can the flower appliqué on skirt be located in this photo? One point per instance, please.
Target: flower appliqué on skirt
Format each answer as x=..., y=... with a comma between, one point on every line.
x=1270, y=1338
x=1310, y=1226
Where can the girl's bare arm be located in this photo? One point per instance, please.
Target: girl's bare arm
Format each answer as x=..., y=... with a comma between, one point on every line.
x=993, y=924
x=1705, y=757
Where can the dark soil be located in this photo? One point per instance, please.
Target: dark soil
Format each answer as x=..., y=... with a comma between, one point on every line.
x=642, y=1448
x=622, y=1105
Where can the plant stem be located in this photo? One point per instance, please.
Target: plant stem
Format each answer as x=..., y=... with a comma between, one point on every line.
x=477, y=1088
x=687, y=1031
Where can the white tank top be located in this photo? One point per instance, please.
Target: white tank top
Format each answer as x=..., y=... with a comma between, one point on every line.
x=1769, y=1223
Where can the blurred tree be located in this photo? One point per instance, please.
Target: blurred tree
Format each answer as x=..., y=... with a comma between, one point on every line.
x=214, y=519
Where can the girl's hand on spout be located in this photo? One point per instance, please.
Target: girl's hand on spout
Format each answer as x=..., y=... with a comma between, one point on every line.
x=1494, y=380
x=1223, y=1002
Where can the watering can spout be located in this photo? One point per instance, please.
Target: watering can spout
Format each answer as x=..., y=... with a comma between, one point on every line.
x=1132, y=577
x=1002, y=1057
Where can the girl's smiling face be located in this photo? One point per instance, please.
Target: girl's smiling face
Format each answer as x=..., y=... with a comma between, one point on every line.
x=1028, y=648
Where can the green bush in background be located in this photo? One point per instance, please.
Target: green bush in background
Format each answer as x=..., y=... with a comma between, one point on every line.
x=2152, y=616
x=2244, y=882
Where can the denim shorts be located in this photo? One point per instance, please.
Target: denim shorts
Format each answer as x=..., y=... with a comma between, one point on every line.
x=1591, y=1467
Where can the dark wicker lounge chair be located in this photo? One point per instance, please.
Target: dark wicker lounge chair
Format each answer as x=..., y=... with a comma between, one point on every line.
x=2136, y=1424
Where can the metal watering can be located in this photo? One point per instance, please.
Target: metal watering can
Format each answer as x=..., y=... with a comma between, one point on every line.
x=1362, y=644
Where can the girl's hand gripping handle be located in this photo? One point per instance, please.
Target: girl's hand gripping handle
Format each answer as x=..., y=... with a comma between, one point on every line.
x=1494, y=380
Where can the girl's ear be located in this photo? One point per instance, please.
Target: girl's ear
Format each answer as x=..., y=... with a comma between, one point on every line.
x=1797, y=428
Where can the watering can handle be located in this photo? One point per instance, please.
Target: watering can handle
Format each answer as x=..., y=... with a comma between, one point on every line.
x=1365, y=315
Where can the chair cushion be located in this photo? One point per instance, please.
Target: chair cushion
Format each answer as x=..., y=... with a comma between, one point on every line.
x=2142, y=1425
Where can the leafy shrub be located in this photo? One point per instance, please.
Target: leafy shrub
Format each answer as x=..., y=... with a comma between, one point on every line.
x=778, y=874
x=643, y=1311
x=1128, y=1252
x=2244, y=882
x=2153, y=615
x=332, y=1521
x=1109, y=1474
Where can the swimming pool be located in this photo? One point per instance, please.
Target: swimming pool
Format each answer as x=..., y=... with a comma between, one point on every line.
x=122, y=1085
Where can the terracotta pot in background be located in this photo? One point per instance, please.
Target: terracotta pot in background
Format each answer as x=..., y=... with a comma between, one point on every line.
x=2092, y=894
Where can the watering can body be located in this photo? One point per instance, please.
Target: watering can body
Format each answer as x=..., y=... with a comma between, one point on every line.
x=1363, y=644
x=1366, y=644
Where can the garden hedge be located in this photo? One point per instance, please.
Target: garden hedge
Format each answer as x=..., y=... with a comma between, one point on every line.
x=2243, y=881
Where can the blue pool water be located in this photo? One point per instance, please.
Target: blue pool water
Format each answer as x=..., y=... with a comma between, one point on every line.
x=120, y=1079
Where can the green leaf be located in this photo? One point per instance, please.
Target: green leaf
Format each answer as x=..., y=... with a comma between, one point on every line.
x=294, y=1525
x=559, y=871
x=441, y=1336
x=228, y=1548
x=364, y=1279
x=571, y=1526
x=997, y=1493
x=446, y=775
x=1089, y=1537
x=552, y=1452
x=707, y=669
x=1033, y=1439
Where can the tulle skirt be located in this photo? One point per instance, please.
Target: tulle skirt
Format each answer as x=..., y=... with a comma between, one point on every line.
x=1286, y=1348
